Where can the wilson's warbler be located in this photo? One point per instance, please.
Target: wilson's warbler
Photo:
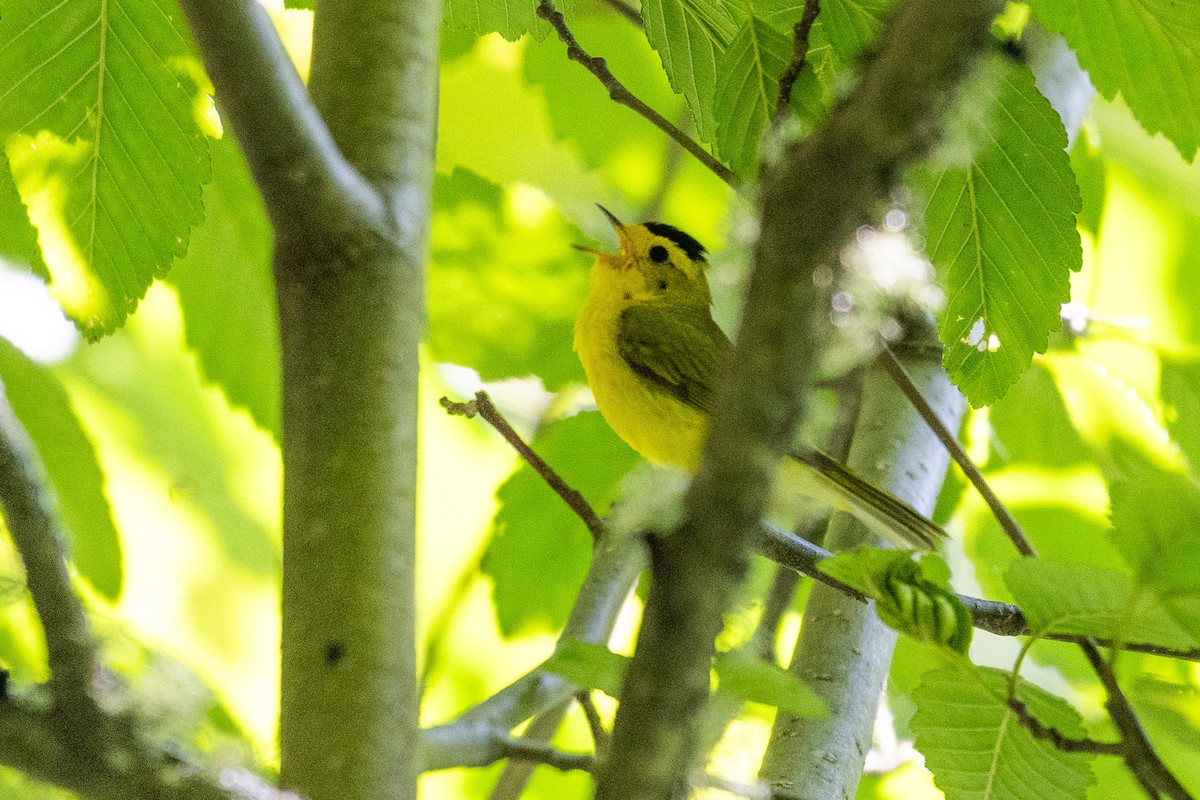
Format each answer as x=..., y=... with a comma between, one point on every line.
x=652, y=351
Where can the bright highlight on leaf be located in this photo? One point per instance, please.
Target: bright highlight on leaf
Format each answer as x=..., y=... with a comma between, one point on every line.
x=1000, y=229
x=102, y=116
x=977, y=749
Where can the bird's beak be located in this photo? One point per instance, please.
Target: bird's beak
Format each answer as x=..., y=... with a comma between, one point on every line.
x=621, y=236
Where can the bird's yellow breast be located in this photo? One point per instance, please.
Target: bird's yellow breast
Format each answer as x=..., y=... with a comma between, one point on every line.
x=652, y=421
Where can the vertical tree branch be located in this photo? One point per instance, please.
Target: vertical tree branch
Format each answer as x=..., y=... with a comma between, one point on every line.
x=29, y=516
x=812, y=201
x=844, y=650
x=349, y=284
x=351, y=317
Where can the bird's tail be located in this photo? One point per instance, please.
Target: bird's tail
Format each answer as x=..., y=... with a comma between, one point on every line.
x=888, y=516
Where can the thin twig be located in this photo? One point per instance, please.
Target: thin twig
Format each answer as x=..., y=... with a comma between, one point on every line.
x=482, y=405
x=517, y=772
x=28, y=512
x=599, y=734
x=625, y=10
x=799, y=56
x=1140, y=756
x=896, y=370
x=1057, y=738
x=620, y=94
x=542, y=753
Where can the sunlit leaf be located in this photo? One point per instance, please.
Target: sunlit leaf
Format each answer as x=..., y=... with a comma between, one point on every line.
x=1148, y=50
x=593, y=666
x=1156, y=525
x=227, y=291
x=748, y=91
x=540, y=550
x=504, y=283
x=1079, y=600
x=102, y=113
x=690, y=36
x=45, y=411
x=749, y=677
x=976, y=747
x=1111, y=415
x=1000, y=229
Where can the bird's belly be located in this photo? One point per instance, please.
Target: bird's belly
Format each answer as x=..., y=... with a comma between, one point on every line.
x=654, y=423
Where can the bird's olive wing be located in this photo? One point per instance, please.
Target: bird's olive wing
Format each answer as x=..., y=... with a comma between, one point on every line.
x=677, y=349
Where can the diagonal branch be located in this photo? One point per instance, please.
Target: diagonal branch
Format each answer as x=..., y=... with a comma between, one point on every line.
x=813, y=199
x=622, y=95
x=28, y=513
x=800, y=35
x=303, y=177
x=482, y=405
x=1136, y=749
x=902, y=380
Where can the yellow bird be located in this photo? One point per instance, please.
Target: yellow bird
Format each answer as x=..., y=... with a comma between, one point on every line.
x=652, y=351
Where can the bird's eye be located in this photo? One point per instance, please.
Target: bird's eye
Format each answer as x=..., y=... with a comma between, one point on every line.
x=658, y=254
x=662, y=286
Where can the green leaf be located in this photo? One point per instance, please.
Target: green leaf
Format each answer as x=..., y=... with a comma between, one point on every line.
x=913, y=597
x=1080, y=600
x=540, y=550
x=227, y=291
x=1181, y=405
x=976, y=747
x=1000, y=229
x=852, y=25
x=746, y=676
x=1031, y=424
x=1148, y=50
x=748, y=91
x=102, y=112
x=512, y=19
x=593, y=666
x=1091, y=174
x=1156, y=526
x=690, y=36
x=45, y=411
x=504, y=283
x=18, y=237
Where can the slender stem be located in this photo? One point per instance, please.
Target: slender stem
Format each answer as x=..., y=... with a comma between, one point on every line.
x=622, y=95
x=595, y=724
x=625, y=10
x=950, y=442
x=541, y=729
x=29, y=516
x=800, y=35
x=482, y=405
